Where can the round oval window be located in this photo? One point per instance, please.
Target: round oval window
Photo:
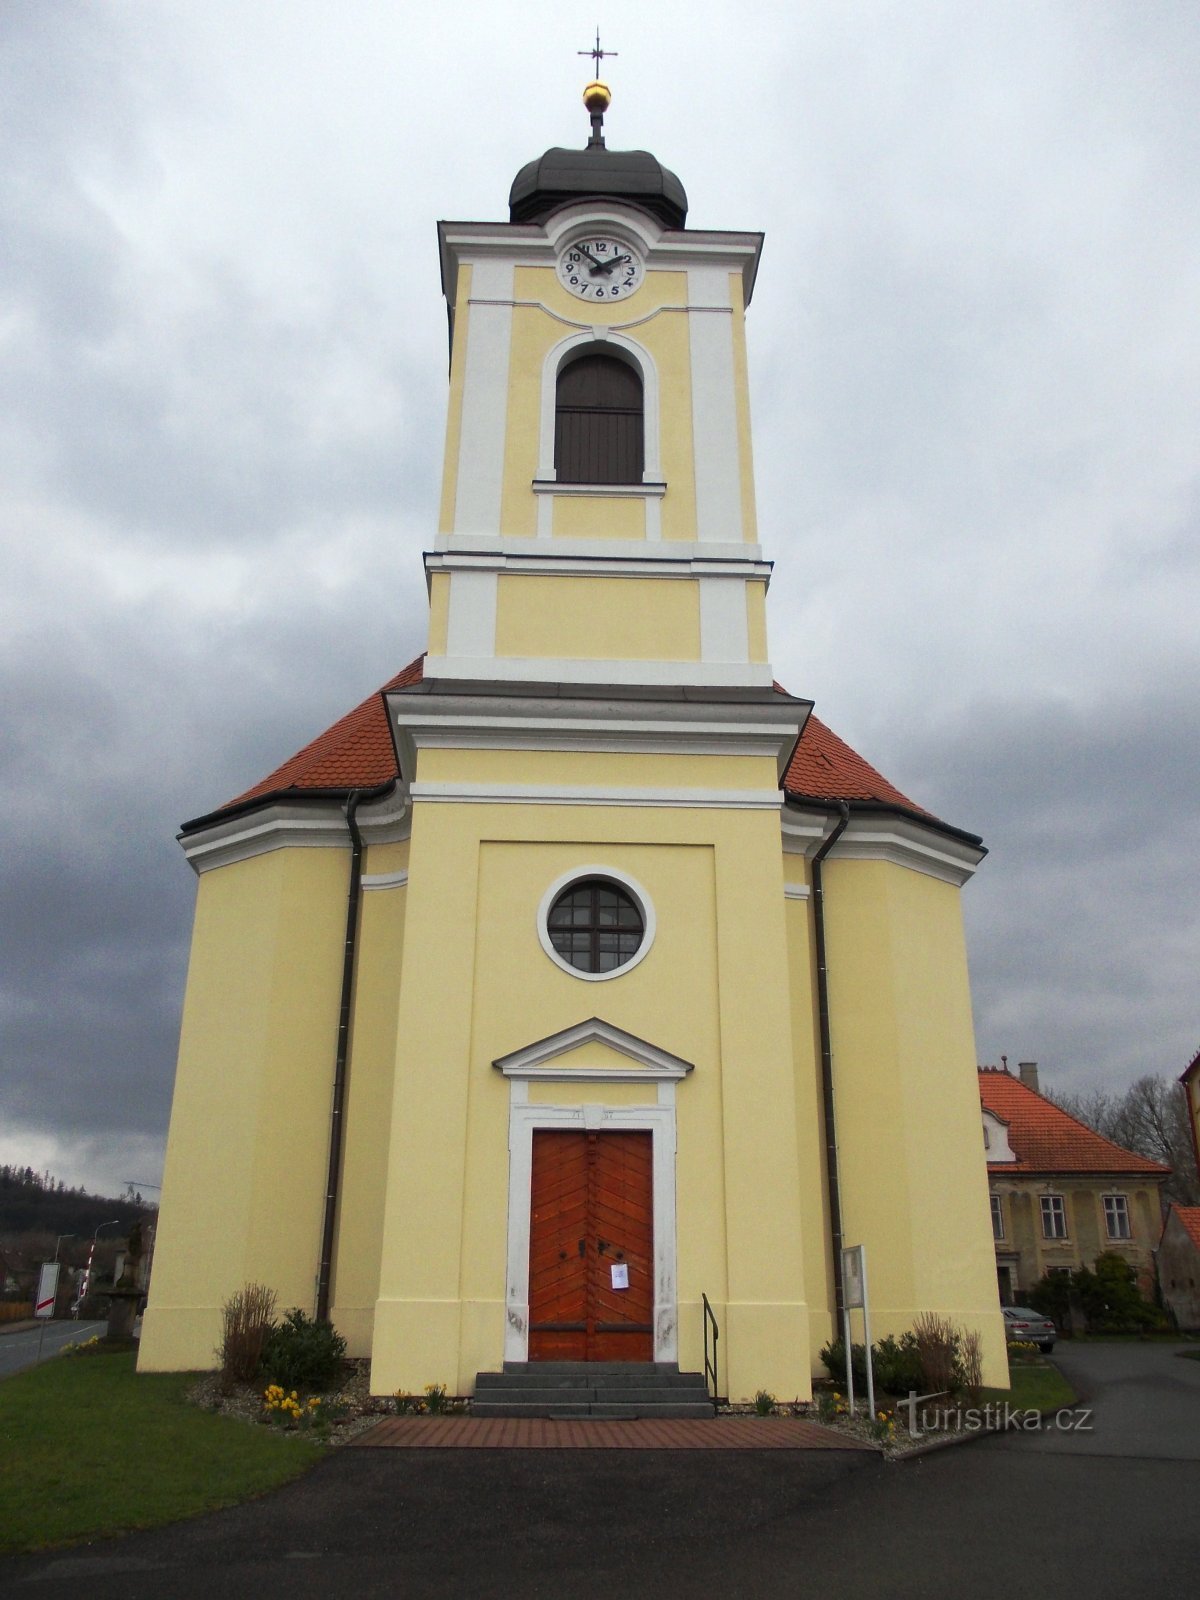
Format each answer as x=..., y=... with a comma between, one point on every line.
x=594, y=925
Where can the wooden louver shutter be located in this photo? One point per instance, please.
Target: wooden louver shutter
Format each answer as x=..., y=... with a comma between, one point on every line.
x=598, y=422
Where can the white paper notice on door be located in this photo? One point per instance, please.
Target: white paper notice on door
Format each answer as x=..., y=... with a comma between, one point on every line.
x=620, y=1274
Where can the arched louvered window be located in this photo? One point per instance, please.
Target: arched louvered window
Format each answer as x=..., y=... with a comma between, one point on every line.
x=598, y=422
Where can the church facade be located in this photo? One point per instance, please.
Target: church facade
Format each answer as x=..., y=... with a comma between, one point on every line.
x=580, y=974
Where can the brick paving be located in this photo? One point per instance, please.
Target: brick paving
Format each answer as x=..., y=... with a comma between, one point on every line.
x=543, y=1433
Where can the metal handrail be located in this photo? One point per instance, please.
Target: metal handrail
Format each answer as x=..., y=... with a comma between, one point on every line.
x=710, y=1364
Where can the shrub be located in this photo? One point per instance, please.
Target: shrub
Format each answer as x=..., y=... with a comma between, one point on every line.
x=247, y=1318
x=834, y=1357
x=972, y=1363
x=898, y=1364
x=939, y=1346
x=303, y=1354
x=764, y=1403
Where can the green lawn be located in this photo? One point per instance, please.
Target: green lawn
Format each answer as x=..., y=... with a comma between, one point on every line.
x=87, y=1447
x=1033, y=1389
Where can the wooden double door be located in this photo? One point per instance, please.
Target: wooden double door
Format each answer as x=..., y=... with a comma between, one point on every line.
x=591, y=1247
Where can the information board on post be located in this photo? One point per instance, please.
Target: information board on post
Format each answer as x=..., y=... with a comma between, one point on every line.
x=854, y=1298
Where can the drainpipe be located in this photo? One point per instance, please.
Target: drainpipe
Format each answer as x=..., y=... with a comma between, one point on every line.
x=831, y=1157
x=353, y=800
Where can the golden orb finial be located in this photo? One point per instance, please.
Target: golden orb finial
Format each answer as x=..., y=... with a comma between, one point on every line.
x=597, y=97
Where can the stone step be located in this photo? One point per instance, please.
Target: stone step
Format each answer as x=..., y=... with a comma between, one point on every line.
x=563, y=1410
x=591, y=1397
x=613, y=1389
x=536, y=1378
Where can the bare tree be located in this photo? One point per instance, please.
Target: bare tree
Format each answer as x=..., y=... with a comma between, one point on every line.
x=1151, y=1119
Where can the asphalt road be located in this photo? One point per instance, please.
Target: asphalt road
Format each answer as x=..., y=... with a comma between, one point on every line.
x=1105, y=1513
x=20, y=1350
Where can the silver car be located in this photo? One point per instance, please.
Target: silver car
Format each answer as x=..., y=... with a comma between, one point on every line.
x=1029, y=1326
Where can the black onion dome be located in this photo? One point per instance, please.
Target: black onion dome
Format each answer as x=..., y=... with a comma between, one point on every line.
x=562, y=177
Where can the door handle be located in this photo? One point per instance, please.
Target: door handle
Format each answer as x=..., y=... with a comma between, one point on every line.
x=601, y=1245
x=583, y=1247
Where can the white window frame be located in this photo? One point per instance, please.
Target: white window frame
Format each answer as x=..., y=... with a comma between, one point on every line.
x=997, y=1217
x=622, y=880
x=1054, y=1206
x=1116, y=1206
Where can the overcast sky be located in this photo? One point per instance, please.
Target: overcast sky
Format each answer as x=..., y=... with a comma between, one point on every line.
x=976, y=379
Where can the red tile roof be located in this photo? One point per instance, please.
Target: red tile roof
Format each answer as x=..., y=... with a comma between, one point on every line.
x=823, y=768
x=1045, y=1138
x=1190, y=1217
x=357, y=753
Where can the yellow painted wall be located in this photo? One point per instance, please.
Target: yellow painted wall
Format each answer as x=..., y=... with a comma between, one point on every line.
x=439, y=612
x=607, y=516
x=639, y=619
x=913, y=1176
x=592, y=767
x=248, y=1146
x=368, y=1108
x=756, y=621
x=715, y=880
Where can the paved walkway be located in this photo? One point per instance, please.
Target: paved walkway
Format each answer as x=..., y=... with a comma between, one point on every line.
x=541, y=1433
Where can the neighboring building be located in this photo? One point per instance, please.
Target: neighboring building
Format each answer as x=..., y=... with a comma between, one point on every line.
x=1061, y=1194
x=1178, y=1257
x=1190, y=1079
x=575, y=1035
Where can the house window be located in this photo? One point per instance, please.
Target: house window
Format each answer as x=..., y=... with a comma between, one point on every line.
x=997, y=1217
x=1054, y=1217
x=1116, y=1216
x=598, y=421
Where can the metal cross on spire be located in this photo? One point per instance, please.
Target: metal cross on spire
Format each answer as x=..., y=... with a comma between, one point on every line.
x=596, y=96
x=596, y=53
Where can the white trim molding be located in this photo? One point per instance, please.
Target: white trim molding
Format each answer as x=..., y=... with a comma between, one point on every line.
x=537, y=1060
x=586, y=670
x=533, y=794
x=665, y=724
x=796, y=891
x=639, y=358
x=284, y=825
x=610, y=875
x=904, y=841
x=384, y=880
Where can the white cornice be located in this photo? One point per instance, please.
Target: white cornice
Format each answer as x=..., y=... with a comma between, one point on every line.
x=627, y=673
x=384, y=880
x=601, y=491
x=698, y=562
x=293, y=824
x=538, y=1060
x=536, y=794
x=609, y=723
x=733, y=555
x=904, y=841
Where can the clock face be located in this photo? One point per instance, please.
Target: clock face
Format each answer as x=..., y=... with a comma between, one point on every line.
x=599, y=268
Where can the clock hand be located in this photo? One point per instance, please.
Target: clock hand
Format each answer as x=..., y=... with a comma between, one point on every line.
x=584, y=251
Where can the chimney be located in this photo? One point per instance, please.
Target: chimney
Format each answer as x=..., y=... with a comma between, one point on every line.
x=1028, y=1071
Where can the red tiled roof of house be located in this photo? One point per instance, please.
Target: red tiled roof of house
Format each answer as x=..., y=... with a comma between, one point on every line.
x=357, y=753
x=1045, y=1138
x=1190, y=1218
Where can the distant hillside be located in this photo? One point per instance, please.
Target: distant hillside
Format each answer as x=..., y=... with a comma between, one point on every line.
x=36, y=1202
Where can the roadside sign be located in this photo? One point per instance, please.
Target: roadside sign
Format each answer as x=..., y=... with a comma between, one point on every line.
x=47, y=1289
x=854, y=1298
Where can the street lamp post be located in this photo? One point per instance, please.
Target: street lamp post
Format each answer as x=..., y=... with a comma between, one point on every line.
x=59, y=1240
x=87, y=1271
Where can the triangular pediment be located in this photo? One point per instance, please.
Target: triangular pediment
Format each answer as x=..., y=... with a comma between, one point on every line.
x=593, y=1049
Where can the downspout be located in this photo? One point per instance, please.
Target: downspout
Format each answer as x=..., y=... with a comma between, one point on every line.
x=831, y=1155
x=353, y=800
